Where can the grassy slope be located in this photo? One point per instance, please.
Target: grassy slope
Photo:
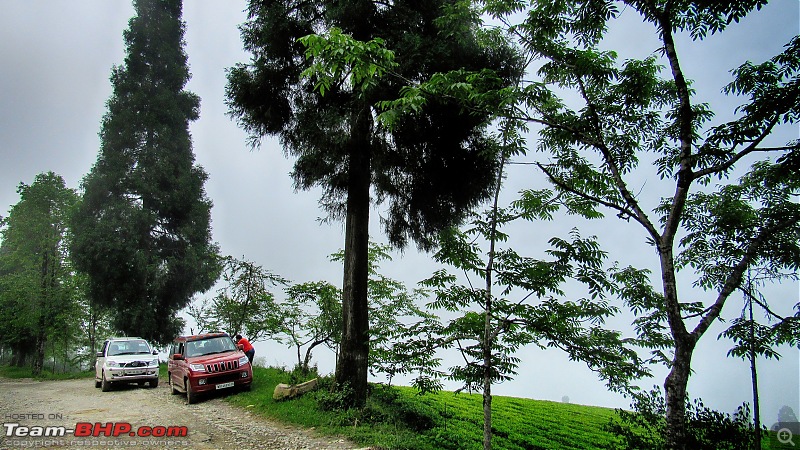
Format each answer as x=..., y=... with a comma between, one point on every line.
x=399, y=418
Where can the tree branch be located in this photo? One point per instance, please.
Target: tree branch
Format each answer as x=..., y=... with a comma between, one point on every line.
x=611, y=163
x=767, y=308
x=735, y=277
x=623, y=211
x=753, y=147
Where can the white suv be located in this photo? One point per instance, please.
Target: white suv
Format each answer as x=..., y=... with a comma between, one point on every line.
x=126, y=360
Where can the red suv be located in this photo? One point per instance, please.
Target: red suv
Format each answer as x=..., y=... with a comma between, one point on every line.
x=207, y=362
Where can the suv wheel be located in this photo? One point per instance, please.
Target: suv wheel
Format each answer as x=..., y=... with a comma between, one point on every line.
x=96, y=383
x=105, y=385
x=191, y=396
x=153, y=383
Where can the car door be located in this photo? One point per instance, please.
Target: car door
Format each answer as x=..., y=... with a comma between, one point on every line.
x=176, y=367
x=101, y=358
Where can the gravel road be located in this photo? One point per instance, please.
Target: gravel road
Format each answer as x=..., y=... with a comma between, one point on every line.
x=40, y=406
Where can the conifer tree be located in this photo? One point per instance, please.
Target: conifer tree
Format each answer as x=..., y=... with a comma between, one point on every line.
x=430, y=169
x=143, y=229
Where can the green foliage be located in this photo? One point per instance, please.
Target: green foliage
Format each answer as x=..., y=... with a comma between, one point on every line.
x=337, y=54
x=15, y=372
x=310, y=316
x=142, y=232
x=244, y=305
x=361, y=55
x=600, y=118
x=37, y=293
x=644, y=428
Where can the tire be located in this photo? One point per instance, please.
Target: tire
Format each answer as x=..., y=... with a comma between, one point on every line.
x=96, y=383
x=153, y=383
x=105, y=385
x=172, y=388
x=191, y=397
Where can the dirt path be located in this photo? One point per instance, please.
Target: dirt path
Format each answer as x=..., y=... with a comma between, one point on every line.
x=210, y=424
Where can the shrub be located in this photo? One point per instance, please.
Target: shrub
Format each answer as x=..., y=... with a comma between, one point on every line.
x=706, y=429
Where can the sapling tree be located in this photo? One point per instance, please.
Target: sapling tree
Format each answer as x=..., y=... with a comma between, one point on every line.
x=753, y=339
x=520, y=300
x=244, y=304
x=310, y=316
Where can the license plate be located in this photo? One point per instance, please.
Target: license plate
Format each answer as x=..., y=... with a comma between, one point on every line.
x=134, y=372
x=225, y=385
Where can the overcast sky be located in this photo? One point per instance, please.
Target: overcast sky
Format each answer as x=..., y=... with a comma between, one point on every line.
x=55, y=60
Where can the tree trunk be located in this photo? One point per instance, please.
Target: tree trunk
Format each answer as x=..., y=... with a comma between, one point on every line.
x=38, y=356
x=19, y=354
x=351, y=368
x=307, y=359
x=675, y=388
x=754, y=379
x=489, y=335
x=284, y=391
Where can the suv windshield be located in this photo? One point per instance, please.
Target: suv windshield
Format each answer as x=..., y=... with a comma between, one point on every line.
x=210, y=346
x=137, y=347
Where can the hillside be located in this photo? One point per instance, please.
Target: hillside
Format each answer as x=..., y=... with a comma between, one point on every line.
x=398, y=418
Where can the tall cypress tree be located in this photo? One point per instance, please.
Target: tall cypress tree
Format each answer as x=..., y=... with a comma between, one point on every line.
x=430, y=169
x=142, y=231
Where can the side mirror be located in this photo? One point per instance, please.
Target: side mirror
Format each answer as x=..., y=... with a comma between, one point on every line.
x=178, y=357
x=155, y=352
x=99, y=354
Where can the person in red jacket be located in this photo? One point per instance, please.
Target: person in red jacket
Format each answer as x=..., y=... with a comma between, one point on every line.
x=246, y=347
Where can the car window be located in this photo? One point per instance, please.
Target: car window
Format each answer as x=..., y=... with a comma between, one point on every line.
x=210, y=346
x=138, y=347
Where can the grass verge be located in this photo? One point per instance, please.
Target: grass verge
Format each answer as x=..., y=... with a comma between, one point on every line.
x=47, y=374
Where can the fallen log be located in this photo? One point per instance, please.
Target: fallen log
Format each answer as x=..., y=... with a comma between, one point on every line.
x=285, y=391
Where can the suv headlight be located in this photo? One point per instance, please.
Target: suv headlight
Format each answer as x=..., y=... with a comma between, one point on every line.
x=243, y=360
x=154, y=363
x=197, y=367
x=111, y=363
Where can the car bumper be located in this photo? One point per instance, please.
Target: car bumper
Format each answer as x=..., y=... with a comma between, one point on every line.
x=221, y=381
x=131, y=373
